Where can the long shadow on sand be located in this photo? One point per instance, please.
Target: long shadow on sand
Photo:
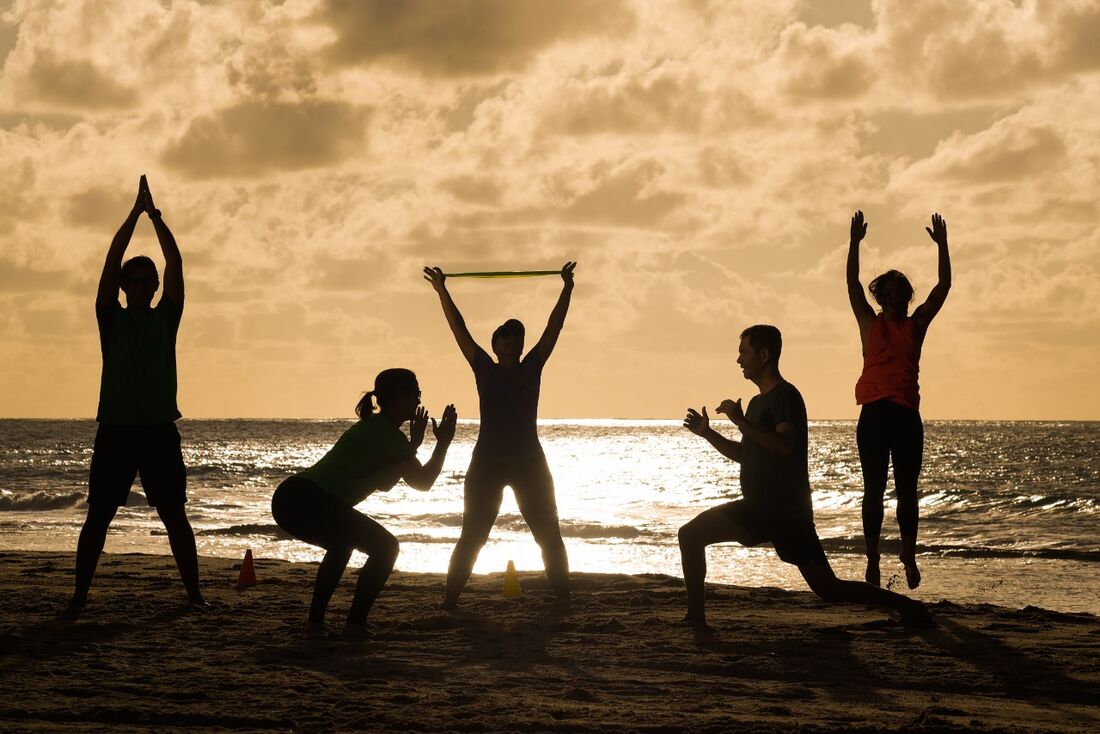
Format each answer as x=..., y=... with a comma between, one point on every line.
x=984, y=663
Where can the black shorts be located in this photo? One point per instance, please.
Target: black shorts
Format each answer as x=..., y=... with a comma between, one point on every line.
x=796, y=543
x=123, y=452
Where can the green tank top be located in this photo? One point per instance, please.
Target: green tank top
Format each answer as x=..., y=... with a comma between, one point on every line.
x=348, y=471
x=138, y=384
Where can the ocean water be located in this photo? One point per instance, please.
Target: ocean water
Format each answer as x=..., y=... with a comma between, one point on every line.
x=1009, y=510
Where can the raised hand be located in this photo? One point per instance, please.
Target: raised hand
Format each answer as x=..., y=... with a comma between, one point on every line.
x=139, y=200
x=444, y=431
x=436, y=277
x=149, y=207
x=938, y=231
x=567, y=272
x=732, y=409
x=696, y=423
x=859, y=227
x=417, y=426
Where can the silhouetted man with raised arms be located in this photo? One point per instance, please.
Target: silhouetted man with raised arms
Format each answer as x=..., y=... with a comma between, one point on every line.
x=507, y=452
x=137, y=402
x=775, y=487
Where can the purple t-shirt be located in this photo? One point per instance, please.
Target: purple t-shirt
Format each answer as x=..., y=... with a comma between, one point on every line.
x=509, y=402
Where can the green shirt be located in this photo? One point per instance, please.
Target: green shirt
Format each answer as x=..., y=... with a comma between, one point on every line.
x=349, y=470
x=138, y=385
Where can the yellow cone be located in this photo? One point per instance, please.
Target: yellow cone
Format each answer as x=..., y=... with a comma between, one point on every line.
x=511, y=588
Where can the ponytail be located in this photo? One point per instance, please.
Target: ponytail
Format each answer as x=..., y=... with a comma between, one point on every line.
x=365, y=406
x=388, y=384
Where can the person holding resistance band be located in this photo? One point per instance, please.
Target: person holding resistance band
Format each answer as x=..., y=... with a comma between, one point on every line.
x=507, y=452
x=889, y=422
x=317, y=505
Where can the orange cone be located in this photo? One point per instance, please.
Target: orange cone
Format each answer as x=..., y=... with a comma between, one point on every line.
x=511, y=588
x=248, y=571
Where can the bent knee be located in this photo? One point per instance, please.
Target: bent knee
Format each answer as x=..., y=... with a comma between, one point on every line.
x=391, y=547
x=384, y=548
x=687, y=536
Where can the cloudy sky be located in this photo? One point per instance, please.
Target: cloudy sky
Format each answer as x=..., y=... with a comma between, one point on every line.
x=700, y=160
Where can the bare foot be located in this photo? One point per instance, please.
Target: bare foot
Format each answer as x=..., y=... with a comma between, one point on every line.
x=872, y=575
x=694, y=620
x=73, y=609
x=912, y=573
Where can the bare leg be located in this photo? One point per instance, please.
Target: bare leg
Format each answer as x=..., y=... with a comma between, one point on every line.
x=873, y=572
x=482, y=503
x=88, y=550
x=182, y=539
x=825, y=584
x=709, y=527
x=908, y=558
x=328, y=578
x=382, y=548
x=539, y=508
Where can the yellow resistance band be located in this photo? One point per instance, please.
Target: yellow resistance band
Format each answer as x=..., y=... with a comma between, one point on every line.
x=504, y=274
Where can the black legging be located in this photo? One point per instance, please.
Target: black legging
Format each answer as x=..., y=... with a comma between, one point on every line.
x=311, y=514
x=533, y=486
x=887, y=429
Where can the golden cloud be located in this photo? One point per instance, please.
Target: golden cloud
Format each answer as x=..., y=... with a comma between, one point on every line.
x=471, y=38
x=74, y=83
x=254, y=138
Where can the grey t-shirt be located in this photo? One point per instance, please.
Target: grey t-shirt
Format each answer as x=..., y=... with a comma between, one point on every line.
x=509, y=401
x=779, y=487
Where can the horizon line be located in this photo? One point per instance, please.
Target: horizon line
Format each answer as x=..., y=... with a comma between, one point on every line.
x=562, y=421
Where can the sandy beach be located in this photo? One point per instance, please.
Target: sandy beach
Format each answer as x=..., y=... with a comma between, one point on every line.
x=774, y=661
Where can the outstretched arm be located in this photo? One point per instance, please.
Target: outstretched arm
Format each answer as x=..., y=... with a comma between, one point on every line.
x=173, y=261
x=111, y=279
x=932, y=305
x=863, y=312
x=699, y=424
x=422, y=476
x=466, y=343
x=557, y=317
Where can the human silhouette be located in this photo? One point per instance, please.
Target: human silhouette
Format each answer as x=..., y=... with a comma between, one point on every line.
x=507, y=452
x=317, y=505
x=137, y=434
x=775, y=487
x=890, y=425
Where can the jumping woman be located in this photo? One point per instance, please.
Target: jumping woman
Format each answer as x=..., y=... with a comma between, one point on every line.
x=890, y=425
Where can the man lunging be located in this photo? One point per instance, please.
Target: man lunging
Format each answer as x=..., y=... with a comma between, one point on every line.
x=775, y=486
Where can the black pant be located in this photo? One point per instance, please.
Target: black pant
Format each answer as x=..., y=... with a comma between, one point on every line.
x=889, y=430
x=311, y=514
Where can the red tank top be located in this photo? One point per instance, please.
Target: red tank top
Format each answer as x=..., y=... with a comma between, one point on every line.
x=891, y=362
